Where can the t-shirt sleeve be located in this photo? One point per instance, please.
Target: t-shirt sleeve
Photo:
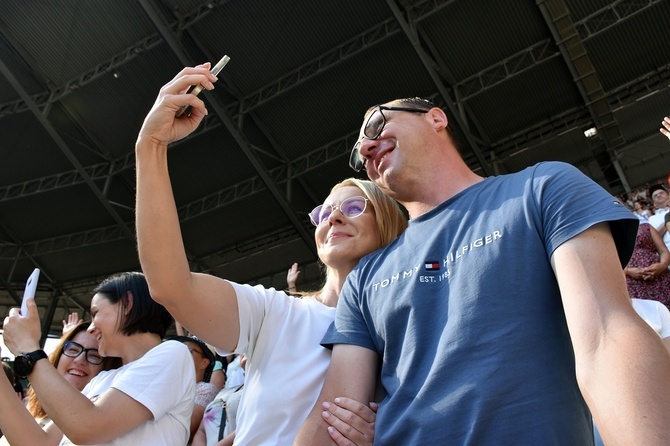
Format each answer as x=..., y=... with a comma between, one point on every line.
x=664, y=316
x=205, y=393
x=570, y=203
x=253, y=302
x=161, y=379
x=349, y=326
x=657, y=221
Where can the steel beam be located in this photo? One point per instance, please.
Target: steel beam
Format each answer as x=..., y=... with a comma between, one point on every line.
x=409, y=28
x=558, y=19
x=239, y=137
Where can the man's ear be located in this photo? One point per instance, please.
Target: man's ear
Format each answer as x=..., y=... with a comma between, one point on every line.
x=438, y=118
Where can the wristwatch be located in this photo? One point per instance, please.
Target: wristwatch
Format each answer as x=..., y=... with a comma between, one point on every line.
x=23, y=364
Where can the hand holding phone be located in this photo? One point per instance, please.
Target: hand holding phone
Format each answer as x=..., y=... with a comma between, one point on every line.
x=29, y=292
x=196, y=89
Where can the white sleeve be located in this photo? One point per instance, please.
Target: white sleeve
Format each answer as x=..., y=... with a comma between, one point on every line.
x=664, y=316
x=160, y=379
x=252, y=303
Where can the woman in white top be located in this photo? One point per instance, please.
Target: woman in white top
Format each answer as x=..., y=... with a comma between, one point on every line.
x=148, y=400
x=280, y=334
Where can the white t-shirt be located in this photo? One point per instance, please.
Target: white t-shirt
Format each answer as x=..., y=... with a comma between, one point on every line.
x=163, y=381
x=286, y=364
x=234, y=374
x=655, y=314
x=658, y=221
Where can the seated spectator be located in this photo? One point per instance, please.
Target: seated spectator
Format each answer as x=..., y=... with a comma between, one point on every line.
x=148, y=400
x=203, y=360
x=642, y=211
x=220, y=419
x=647, y=275
x=659, y=196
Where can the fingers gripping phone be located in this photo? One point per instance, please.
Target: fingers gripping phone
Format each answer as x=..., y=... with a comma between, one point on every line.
x=29, y=292
x=196, y=89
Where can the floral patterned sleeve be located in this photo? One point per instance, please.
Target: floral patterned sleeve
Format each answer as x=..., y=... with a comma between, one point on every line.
x=204, y=393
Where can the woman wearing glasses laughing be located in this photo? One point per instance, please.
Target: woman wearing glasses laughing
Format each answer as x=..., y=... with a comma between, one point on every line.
x=76, y=358
x=147, y=400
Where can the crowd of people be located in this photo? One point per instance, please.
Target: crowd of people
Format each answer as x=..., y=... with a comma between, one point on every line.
x=508, y=322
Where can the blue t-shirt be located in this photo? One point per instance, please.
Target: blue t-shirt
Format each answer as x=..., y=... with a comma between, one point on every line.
x=466, y=315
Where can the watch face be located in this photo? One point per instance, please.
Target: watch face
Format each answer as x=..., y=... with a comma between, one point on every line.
x=23, y=365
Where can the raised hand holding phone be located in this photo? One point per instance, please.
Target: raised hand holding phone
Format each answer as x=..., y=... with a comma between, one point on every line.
x=29, y=292
x=195, y=90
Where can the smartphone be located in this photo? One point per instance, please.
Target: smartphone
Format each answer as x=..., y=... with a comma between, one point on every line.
x=31, y=287
x=196, y=89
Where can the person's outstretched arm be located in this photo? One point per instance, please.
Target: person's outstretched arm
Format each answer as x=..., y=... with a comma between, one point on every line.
x=205, y=305
x=77, y=417
x=621, y=365
x=352, y=373
x=18, y=426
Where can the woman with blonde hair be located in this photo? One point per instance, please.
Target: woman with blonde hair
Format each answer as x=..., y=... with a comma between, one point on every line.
x=280, y=334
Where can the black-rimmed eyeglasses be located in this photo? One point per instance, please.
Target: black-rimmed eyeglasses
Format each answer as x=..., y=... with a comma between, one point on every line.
x=351, y=208
x=72, y=350
x=373, y=127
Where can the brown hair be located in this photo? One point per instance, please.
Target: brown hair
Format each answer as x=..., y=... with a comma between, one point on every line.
x=34, y=406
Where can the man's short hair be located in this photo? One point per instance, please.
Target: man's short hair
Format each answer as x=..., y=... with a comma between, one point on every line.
x=653, y=188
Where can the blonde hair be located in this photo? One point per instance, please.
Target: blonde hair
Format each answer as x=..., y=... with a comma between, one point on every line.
x=391, y=222
x=389, y=217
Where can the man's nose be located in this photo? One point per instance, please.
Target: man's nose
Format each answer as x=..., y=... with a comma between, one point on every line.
x=367, y=147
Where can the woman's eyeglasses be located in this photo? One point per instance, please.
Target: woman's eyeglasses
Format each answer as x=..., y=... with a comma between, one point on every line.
x=372, y=129
x=72, y=350
x=350, y=208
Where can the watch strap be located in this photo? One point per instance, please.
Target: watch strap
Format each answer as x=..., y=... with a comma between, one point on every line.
x=37, y=355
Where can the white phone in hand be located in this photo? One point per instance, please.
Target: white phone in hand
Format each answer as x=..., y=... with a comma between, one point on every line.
x=31, y=287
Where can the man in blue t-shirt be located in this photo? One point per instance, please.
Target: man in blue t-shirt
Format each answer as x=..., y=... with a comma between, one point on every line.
x=501, y=315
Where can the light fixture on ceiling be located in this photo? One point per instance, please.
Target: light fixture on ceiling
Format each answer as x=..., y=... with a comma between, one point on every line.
x=590, y=133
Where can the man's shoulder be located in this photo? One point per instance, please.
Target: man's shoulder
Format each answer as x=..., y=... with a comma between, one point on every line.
x=658, y=219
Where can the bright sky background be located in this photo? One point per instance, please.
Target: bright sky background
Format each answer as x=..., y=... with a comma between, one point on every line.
x=51, y=342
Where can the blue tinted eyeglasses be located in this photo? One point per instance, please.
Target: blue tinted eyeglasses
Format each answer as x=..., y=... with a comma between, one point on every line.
x=350, y=208
x=373, y=127
x=72, y=350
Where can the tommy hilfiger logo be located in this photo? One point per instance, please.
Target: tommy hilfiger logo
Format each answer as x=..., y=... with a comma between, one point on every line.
x=431, y=265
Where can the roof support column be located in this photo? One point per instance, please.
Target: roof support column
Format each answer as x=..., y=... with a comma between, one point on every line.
x=558, y=19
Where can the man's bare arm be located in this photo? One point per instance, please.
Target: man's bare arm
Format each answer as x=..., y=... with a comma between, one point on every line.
x=621, y=364
x=353, y=374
